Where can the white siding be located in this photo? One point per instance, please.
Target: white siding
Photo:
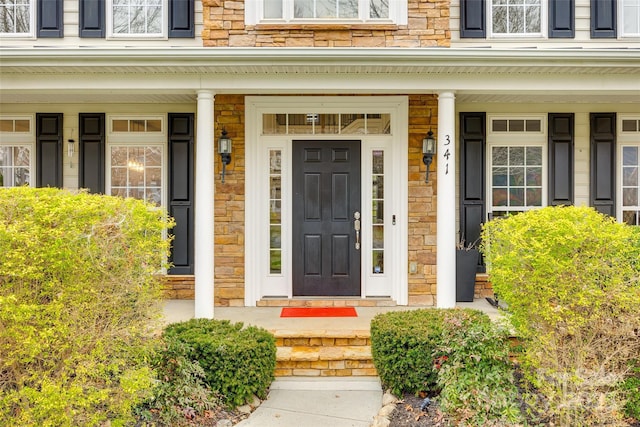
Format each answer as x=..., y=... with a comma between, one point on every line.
x=71, y=114
x=582, y=34
x=71, y=39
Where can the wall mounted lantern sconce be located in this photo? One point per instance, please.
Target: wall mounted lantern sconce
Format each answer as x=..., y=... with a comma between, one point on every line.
x=428, y=151
x=224, y=149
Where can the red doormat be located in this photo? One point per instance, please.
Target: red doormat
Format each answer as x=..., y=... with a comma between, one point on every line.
x=318, y=312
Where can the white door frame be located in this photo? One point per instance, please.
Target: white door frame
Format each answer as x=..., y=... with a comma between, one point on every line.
x=258, y=282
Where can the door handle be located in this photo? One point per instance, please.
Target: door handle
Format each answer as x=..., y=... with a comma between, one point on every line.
x=356, y=226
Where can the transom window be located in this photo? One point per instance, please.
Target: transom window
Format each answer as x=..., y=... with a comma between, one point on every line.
x=516, y=17
x=137, y=18
x=17, y=18
x=327, y=124
x=318, y=11
x=630, y=18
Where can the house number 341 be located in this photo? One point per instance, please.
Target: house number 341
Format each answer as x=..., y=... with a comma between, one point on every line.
x=447, y=153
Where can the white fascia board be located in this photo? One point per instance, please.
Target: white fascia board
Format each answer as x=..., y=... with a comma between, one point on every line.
x=387, y=57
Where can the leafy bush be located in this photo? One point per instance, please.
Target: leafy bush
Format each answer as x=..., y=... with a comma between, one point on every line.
x=77, y=300
x=631, y=390
x=403, y=345
x=570, y=277
x=238, y=362
x=180, y=391
x=475, y=374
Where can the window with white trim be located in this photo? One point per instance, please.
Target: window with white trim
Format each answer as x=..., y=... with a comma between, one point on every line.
x=136, y=158
x=17, y=18
x=629, y=191
x=630, y=18
x=516, y=18
x=326, y=11
x=136, y=18
x=517, y=165
x=16, y=151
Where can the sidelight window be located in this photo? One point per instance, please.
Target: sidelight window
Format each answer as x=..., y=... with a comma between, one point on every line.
x=377, y=212
x=275, y=211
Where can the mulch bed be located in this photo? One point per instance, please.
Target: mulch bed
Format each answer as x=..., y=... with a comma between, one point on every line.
x=409, y=413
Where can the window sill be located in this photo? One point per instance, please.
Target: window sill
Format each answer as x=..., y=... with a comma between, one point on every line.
x=327, y=27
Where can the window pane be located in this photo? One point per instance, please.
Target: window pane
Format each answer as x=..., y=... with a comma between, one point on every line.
x=154, y=125
x=275, y=186
x=327, y=123
x=154, y=195
x=272, y=9
x=378, y=162
x=275, y=162
x=534, y=176
x=516, y=125
x=118, y=177
x=499, y=14
x=631, y=217
x=6, y=125
x=275, y=261
x=533, y=126
x=534, y=156
x=499, y=156
x=22, y=156
x=378, y=187
x=379, y=9
x=629, y=197
x=153, y=156
x=378, y=212
x=516, y=197
x=499, y=176
x=378, y=124
x=378, y=236
x=630, y=156
x=629, y=125
x=274, y=124
x=516, y=176
x=120, y=125
x=347, y=9
x=275, y=237
x=154, y=177
x=303, y=9
x=499, y=197
x=516, y=156
x=352, y=124
x=630, y=176
x=15, y=16
x=298, y=123
x=534, y=196
x=378, y=262
x=275, y=211
x=499, y=125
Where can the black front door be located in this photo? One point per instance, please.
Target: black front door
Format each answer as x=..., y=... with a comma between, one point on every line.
x=326, y=204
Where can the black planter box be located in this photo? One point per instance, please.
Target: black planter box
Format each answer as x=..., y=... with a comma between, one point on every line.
x=466, y=266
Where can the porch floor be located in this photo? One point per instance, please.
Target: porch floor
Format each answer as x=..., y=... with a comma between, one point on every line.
x=269, y=317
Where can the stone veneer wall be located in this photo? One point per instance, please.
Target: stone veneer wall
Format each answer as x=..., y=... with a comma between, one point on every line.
x=230, y=197
x=229, y=204
x=423, y=116
x=428, y=26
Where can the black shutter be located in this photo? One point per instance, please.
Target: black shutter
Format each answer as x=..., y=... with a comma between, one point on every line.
x=603, y=19
x=49, y=150
x=562, y=19
x=181, y=19
x=92, y=152
x=50, y=18
x=603, y=162
x=92, y=18
x=561, y=130
x=472, y=19
x=181, y=191
x=472, y=176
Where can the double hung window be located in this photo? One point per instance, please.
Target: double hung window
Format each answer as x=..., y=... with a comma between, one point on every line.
x=327, y=11
x=629, y=177
x=17, y=18
x=517, y=170
x=16, y=152
x=516, y=17
x=137, y=18
x=136, y=165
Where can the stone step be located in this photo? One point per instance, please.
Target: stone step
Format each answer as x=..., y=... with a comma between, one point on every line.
x=342, y=353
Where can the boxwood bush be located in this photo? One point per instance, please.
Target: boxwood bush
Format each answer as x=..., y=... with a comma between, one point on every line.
x=78, y=298
x=238, y=361
x=404, y=343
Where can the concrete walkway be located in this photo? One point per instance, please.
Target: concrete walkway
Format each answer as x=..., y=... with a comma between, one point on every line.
x=319, y=402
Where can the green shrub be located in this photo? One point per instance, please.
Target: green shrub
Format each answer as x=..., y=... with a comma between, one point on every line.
x=631, y=389
x=403, y=345
x=570, y=278
x=78, y=297
x=180, y=389
x=238, y=362
x=475, y=374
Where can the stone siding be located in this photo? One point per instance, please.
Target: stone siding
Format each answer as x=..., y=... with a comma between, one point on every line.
x=428, y=26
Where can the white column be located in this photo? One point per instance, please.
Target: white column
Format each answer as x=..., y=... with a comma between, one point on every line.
x=204, y=209
x=446, y=201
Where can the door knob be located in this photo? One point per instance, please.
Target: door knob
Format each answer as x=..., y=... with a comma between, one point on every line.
x=356, y=226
